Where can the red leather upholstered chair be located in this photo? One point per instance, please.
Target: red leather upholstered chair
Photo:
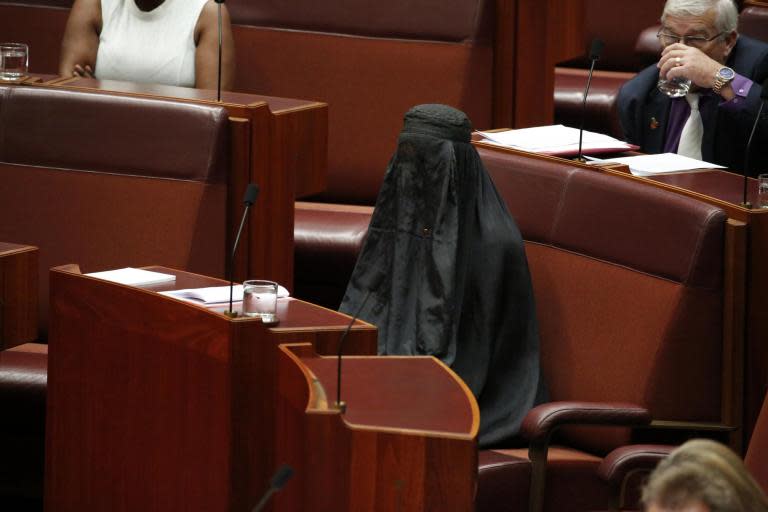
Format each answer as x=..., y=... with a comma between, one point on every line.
x=753, y=22
x=107, y=181
x=630, y=298
x=370, y=65
x=104, y=181
x=624, y=468
x=23, y=377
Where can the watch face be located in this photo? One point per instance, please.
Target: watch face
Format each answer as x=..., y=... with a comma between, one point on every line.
x=726, y=73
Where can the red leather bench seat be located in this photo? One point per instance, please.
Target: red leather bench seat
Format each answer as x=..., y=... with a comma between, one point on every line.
x=629, y=294
x=327, y=239
x=23, y=378
x=108, y=181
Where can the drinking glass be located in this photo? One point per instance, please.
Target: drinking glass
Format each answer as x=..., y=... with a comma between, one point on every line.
x=14, y=60
x=675, y=87
x=762, y=191
x=260, y=300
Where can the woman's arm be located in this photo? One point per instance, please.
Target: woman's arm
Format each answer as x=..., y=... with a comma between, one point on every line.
x=81, y=39
x=207, y=53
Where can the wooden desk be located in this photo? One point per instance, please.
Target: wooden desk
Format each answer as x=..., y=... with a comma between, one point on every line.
x=18, y=294
x=157, y=404
x=279, y=143
x=407, y=441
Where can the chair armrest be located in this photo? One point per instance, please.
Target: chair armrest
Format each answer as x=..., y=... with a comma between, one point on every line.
x=623, y=461
x=542, y=420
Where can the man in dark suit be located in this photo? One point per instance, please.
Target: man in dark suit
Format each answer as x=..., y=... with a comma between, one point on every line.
x=700, y=42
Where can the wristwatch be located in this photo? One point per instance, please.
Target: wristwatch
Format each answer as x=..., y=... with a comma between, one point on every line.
x=722, y=77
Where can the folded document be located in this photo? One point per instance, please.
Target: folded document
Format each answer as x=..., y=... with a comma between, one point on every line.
x=555, y=140
x=664, y=163
x=215, y=294
x=134, y=276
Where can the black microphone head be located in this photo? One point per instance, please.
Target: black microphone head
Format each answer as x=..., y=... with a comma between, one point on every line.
x=596, y=49
x=281, y=477
x=764, y=92
x=251, y=193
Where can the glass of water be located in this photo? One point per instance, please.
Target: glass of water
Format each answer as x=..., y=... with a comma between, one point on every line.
x=762, y=191
x=260, y=300
x=14, y=61
x=675, y=87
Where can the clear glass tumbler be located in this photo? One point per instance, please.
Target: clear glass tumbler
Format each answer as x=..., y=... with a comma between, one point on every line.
x=675, y=87
x=14, y=61
x=260, y=300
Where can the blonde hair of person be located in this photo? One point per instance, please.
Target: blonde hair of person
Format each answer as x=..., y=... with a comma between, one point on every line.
x=707, y=472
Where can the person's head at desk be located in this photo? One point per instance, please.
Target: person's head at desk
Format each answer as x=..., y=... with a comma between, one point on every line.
x=171, y=42
x=703, y=476
x=702, y=97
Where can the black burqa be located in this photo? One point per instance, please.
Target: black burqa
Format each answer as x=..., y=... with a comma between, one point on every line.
x=446, y=268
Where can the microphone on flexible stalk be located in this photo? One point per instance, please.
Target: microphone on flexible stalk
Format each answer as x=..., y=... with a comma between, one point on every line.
x=251, y=193
x=595, y=50
x=218, y=76
x=763, y=99
x=373, y=284
x=278, y=481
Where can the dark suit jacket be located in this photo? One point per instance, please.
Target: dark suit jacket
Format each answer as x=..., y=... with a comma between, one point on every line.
x=725, y=132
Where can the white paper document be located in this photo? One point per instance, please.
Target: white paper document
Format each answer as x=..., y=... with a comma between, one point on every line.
x=133, y=276
x=664, y=163
x=554, y=140
x=215, y=294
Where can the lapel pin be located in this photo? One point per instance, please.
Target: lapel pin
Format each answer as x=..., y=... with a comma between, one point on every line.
x=654, y=123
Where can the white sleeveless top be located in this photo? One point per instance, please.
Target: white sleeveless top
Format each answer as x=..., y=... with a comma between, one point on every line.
x=155, y=47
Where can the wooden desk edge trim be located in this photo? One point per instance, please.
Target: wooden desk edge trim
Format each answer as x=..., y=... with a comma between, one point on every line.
x=21, y=249
x=64, y=86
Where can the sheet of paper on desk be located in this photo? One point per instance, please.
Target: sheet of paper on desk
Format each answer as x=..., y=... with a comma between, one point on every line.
x=134, y=276
x=664, y=163
x=215, y=294
x=553, y=140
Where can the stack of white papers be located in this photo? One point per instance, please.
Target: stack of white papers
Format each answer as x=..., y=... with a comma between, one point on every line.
x=664, y=163
x=555, y=140
x=134, y=276
x=215, y=294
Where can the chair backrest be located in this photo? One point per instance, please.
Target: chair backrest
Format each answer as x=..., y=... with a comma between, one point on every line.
x=370, y=62
x=628, y=282
x=109, y=181
x=753, y=22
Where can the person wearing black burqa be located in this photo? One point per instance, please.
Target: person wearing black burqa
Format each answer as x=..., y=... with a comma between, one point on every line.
x=446, y=270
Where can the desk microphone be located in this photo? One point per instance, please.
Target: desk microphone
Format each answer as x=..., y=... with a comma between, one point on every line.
x=372, y=285
x=218, y=76
x=251, y=193
x=594, y=55
x=763, y=99
x=279, y=479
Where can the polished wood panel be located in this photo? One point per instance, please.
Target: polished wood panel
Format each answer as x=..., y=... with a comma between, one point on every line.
x=533, y=36
x=156, y=404
x=18, y=294
x=407, y=441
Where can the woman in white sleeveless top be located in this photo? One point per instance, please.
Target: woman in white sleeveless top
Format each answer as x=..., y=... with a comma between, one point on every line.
x=173, y=42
